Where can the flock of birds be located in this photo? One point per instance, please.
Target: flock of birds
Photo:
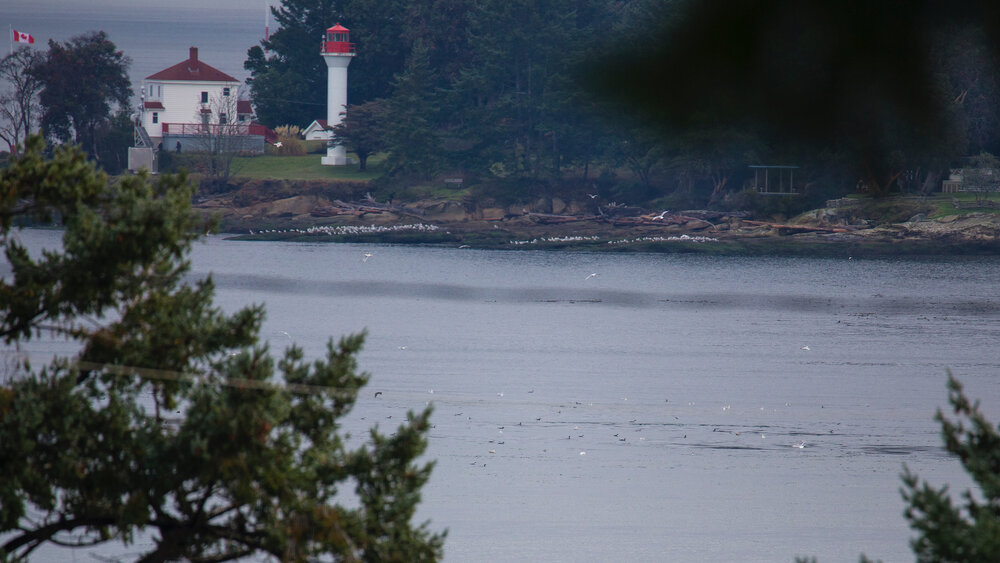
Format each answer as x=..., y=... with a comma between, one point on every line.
x=335, y=230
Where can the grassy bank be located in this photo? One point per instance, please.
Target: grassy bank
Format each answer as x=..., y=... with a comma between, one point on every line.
x=306, y=167
x=945, y=203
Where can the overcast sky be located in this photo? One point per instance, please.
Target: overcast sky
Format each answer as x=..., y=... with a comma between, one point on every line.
x=155, y=34
x=130, y=5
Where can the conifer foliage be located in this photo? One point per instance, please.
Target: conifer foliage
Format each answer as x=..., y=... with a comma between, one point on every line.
x=969, y=532
x=172, y=420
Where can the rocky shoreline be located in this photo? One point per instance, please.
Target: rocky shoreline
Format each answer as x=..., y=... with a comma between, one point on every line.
x=554, y=224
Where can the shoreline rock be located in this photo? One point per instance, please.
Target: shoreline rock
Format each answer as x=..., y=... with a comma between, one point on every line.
x=493, y=226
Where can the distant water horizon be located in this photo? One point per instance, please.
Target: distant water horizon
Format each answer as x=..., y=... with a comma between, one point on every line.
x=154, y=36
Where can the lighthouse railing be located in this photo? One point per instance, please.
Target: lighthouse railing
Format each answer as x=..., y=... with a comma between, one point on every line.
x=337, y=47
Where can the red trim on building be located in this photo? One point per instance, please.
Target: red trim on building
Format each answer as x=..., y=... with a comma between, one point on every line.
x=193, y=129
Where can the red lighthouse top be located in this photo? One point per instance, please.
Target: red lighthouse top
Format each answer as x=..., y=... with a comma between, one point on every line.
x=337, y=41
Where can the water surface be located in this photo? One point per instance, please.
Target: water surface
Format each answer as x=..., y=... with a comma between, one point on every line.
x=653, y=412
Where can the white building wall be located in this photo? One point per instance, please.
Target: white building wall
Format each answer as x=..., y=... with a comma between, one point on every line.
x=182, y=103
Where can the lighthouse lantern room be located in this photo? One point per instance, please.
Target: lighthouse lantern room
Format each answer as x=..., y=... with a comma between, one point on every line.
x=337, y=51
x=338, y=40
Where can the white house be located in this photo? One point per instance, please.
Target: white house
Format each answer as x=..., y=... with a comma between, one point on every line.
x=189, y=103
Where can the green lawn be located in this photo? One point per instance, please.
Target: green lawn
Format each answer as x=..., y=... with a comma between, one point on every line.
x=303, y=168
x=945, y=207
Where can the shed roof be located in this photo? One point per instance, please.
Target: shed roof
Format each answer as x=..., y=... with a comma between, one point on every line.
x=317, y=124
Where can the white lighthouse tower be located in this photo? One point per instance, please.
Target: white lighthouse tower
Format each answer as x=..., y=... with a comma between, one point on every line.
x=337, y=51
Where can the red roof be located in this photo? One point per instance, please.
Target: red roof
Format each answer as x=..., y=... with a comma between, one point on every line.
x=192, y=69
x=153, y=105
x=323, y=125
x=337, y=28
x=243, y=107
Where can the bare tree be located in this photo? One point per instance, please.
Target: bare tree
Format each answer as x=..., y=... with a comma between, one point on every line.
x=221, y=137
x=982, y=176
x=19, y=107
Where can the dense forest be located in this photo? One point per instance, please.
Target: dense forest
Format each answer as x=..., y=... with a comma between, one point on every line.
x=647, y=100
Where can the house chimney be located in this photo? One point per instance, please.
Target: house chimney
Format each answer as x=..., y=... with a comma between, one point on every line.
x=193, y=60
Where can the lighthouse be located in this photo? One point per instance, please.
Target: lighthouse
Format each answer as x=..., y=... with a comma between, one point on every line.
x=337, y=51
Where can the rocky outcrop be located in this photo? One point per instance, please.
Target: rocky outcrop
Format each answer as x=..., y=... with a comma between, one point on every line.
x=262, y=206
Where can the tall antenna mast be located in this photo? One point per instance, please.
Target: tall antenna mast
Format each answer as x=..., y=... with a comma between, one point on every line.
x=267, y=22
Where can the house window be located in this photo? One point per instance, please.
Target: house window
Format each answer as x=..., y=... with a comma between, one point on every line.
x=225, y=92
x=204, y=97
x=222, y=119
x=156, y=117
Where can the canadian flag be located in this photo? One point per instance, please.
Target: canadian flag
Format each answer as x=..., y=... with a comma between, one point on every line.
x=21, y=37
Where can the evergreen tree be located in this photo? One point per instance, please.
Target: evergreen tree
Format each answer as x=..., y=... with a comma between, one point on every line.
x=115, y=136
x=83, y=82
x=379, y=32
x=361, y=130
x=442, y=26
x=172, y=418
x=288, y=83
x=516, y=91
x=854, y=79
x=969, y=532
x=410, y=136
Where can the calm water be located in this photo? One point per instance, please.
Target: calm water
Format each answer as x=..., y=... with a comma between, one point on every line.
x=648, y=413
x=644, y=414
